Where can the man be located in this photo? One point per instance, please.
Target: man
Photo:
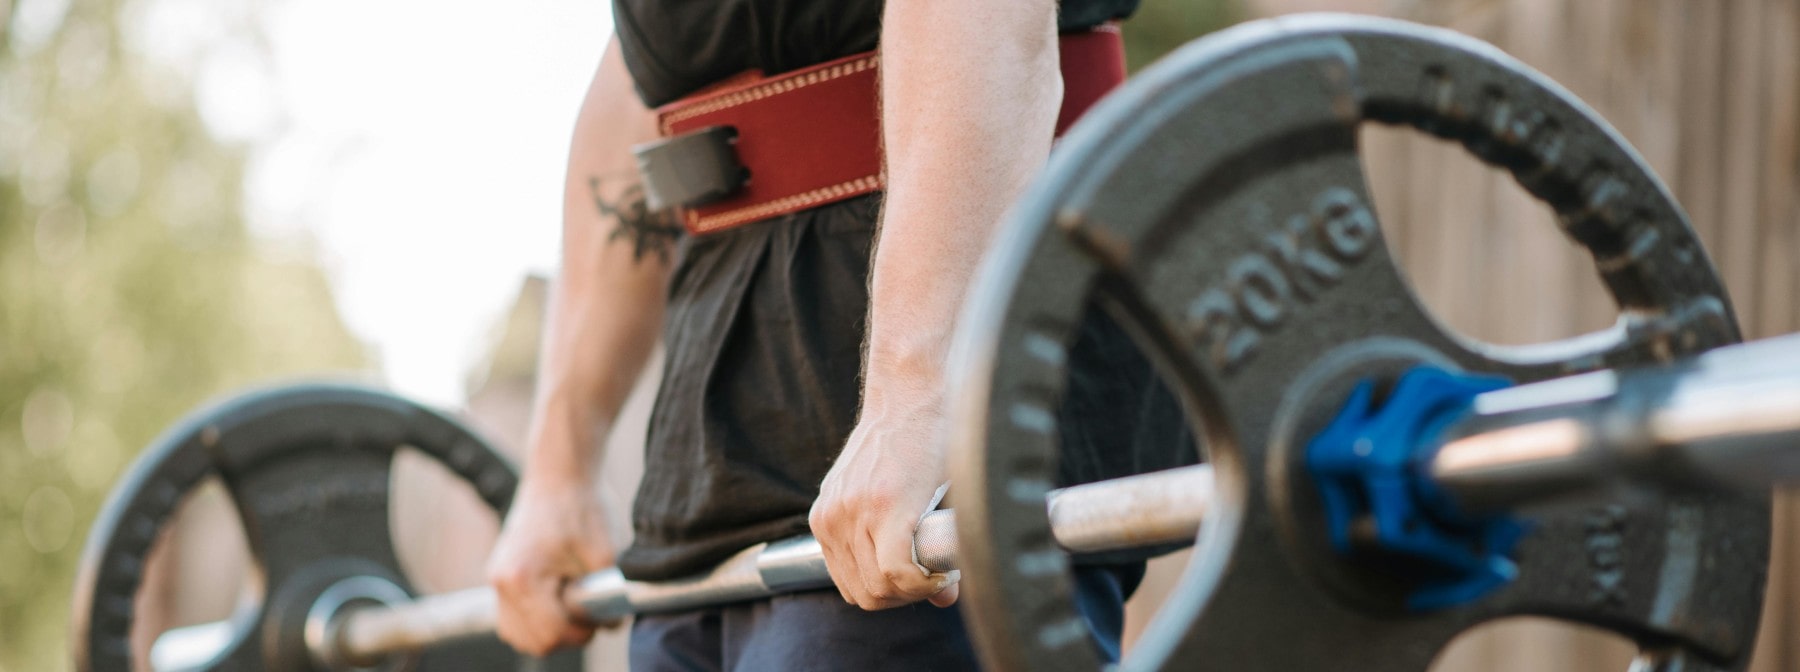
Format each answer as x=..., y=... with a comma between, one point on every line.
x=767, y=354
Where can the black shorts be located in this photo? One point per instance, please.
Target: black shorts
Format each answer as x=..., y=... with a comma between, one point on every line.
x=818, y=632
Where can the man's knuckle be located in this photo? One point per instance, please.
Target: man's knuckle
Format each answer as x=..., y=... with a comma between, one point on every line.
x=879, y=500
x=900, y=576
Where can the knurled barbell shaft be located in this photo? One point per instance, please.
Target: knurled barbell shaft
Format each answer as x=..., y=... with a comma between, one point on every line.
x=1136, y=511
x=1144, y=510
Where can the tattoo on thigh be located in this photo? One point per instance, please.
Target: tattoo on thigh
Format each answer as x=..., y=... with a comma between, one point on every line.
x=650, y=231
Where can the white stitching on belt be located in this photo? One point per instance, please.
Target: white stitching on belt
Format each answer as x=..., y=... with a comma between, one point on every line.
x=801, y=201
x=765, y=90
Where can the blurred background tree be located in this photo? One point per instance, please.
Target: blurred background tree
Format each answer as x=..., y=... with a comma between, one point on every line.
x=1160, y=26
x=130, y=289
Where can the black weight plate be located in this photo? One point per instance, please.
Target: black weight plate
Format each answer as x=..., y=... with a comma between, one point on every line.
x=1216, y=204
x=308, y=468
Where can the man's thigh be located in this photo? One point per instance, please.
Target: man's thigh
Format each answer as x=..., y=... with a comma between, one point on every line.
x=801, y=633
x=685, y=642
x=818, y=631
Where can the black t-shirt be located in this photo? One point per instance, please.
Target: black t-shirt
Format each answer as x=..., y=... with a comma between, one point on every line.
x=674, y=47
x=763, y=341
x=765, y=321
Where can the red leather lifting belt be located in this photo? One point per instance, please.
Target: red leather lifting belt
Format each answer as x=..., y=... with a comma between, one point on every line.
x=813, y=136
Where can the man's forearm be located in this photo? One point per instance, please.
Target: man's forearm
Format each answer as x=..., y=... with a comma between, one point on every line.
x=970, y=91
x=970, y=94
x=607, y=303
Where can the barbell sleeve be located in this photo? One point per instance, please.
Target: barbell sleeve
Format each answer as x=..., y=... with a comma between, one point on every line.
x=1730, y=418
x=1143, y=510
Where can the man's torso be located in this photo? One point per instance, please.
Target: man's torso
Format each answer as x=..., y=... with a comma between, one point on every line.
x=766, y=321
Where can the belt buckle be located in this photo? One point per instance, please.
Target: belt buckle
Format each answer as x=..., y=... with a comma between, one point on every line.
x=691, y=169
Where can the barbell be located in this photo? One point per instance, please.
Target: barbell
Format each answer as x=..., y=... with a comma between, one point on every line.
x=1723, y=420
x=1373, y=480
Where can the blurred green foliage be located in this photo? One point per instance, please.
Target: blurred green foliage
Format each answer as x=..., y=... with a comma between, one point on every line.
x=1162, y=25
x=130, y=290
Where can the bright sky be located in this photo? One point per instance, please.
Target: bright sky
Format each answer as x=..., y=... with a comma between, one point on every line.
x=419, y=144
